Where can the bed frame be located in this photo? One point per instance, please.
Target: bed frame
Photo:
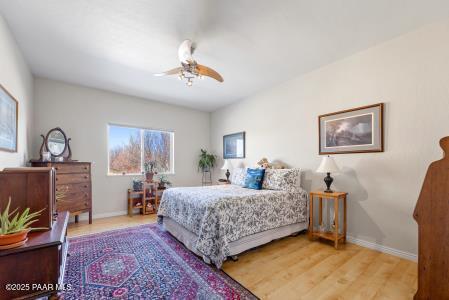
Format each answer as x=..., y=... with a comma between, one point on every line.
x=189, y=238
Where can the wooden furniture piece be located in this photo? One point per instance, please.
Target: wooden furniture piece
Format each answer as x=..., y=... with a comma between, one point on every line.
x=41, y=261
x=73, y=186
x=334, y=236
x=431, y=213
x=135, y=201
x=30, y=187
x=150, y=194
x=223, y=182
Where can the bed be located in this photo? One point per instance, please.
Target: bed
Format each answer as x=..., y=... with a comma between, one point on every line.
x=216, y=222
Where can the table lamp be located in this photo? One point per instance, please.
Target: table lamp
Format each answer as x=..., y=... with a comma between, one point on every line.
x=226, y=167
x=328, y=166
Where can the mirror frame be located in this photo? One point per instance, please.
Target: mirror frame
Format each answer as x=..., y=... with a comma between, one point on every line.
x=66, y=153
x=65, y=139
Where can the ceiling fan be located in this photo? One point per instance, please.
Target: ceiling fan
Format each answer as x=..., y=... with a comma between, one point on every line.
x=189, y=68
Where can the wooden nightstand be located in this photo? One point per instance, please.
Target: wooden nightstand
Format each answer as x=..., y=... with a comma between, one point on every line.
x=223, y=182
x=334, y=236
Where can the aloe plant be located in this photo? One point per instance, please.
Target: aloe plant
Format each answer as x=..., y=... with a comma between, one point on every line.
x=19, y=222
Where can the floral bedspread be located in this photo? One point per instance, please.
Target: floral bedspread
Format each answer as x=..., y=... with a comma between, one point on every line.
x=222, y=214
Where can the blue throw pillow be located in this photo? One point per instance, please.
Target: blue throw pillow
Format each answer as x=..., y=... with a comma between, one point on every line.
x=254, y=178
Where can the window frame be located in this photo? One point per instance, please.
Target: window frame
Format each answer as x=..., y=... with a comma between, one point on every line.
x=142, y=130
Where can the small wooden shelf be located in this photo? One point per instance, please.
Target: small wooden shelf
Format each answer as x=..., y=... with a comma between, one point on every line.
x=148, y=197
x=328, y=235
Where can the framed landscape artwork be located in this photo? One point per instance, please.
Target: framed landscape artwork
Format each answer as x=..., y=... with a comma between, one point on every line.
x=358, y=130
x=8, y=121
x=234, y=145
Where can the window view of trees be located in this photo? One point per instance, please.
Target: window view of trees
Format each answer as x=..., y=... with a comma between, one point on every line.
x=130, y=148
x=156, y=147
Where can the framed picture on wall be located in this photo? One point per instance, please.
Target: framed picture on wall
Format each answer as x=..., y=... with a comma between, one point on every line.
x=234, y=145
x=8, y=121
x=357, y=130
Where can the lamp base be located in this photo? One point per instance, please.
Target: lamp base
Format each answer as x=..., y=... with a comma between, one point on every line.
x=227, y=175
x=328, y=180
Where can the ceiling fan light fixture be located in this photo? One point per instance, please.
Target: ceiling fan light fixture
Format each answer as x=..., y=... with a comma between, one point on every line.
x=189, y=68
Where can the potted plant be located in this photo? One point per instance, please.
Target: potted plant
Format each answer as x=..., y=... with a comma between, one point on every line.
x=207, y=161
x=149, y=170
x=163, y=182
x=14, y=230
x=137, y=185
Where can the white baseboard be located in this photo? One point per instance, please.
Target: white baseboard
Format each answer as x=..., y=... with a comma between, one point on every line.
x=103, y=215
x=382, y=248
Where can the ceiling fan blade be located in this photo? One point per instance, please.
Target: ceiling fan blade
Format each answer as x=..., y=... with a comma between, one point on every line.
x=206, y=71
x=169, y=72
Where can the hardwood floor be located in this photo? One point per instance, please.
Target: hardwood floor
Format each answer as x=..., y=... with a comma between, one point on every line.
x=295, y=268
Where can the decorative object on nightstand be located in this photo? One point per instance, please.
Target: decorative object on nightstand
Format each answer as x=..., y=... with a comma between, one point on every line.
x=226, y=167
x=336, y=235
x=328, y=166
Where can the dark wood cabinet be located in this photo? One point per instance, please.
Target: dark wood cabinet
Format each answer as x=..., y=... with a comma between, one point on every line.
x=35, y=269
x=30, y=187
x=73, y=186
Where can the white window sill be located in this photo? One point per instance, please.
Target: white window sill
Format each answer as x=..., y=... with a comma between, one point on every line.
x=136, y=175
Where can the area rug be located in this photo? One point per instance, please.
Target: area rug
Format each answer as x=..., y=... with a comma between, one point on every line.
x=143, y=262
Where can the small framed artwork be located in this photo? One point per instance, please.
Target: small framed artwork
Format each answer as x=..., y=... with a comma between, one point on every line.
x=357, y=130
x=234, y=145
x=8, y=121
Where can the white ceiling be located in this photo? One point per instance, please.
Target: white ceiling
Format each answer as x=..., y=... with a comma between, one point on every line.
x=117, y=45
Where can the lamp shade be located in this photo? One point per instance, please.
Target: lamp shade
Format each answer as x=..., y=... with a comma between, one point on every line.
x=225, y=165
x=328, y=165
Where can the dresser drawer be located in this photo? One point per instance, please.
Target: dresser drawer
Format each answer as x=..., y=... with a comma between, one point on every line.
x=72, y=204
x=73, y=197
x=73, y=188
x=72, y=178
x=71, y=168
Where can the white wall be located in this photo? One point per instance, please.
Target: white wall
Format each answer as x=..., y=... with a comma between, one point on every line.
x=83, y=113
x=17, y=79
x=410, y=74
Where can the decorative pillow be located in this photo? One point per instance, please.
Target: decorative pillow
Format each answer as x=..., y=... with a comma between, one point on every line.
x=282, y=179
x=254, y=178
x=238, y=176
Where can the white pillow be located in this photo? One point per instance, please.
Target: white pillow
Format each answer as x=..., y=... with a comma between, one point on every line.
x=282, y=179
x=238, y=176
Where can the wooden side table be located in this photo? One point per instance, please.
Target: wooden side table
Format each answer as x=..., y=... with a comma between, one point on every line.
x=334, y=236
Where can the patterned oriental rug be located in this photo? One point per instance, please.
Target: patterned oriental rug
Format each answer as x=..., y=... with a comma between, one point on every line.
x=143, y=262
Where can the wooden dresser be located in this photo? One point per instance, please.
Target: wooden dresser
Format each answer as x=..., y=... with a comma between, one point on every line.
x=36, y=269
x=73, y=181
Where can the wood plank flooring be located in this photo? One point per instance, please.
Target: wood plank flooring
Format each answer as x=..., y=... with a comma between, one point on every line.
x=295, y=268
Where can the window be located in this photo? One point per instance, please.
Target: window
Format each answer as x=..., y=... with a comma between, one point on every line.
x=130, y=148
